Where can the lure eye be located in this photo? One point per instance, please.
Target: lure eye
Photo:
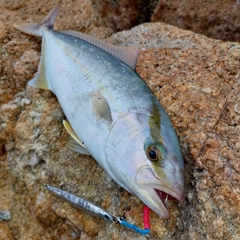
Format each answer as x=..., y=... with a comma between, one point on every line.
x=152, y=153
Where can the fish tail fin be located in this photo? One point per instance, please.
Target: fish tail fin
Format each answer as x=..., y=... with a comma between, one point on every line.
x=36, y=28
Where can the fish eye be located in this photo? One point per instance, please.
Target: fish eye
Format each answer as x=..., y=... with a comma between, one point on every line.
x=152, y=153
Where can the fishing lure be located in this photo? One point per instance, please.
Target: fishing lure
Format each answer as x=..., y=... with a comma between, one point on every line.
x=93, y=209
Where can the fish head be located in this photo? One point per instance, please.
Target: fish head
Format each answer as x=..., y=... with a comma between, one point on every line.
x=149, y=166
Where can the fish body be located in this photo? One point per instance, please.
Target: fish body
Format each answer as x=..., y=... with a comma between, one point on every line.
x=113, y=115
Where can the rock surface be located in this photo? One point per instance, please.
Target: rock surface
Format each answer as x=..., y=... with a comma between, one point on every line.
x=124, y=14
x=216, y=19
x=196, y=79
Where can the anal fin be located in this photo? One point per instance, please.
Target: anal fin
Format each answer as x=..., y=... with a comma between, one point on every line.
x=75, y=143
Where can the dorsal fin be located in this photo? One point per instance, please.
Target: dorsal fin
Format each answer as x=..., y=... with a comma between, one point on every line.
x=128, y=55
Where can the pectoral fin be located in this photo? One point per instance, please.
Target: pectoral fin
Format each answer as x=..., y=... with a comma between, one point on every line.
x=100, y=108
x=75, y=143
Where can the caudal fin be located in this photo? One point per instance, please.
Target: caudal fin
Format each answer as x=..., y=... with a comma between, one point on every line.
x=36, y=28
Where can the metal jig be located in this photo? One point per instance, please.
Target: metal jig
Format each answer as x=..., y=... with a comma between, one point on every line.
x=93, y=209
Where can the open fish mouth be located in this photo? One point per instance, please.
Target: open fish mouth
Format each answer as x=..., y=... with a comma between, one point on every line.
x=164, y=196
x=156, y=198
x=159, y=199
x=156, y=192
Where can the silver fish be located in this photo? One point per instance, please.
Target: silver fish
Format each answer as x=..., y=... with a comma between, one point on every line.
x=112, y=114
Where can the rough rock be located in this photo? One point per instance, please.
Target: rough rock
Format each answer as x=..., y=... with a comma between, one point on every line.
x=216, y=19
x=196, y=79
x=122, y=15
x=5, y=233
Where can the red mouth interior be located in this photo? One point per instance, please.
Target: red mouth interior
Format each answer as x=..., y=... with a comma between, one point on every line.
x=165, y=196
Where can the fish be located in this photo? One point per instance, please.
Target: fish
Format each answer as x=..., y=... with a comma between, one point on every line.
x=111, y=113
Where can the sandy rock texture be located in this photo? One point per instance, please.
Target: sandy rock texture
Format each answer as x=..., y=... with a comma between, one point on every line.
x=197, y=80
x=216, y=19
x=124, y=14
